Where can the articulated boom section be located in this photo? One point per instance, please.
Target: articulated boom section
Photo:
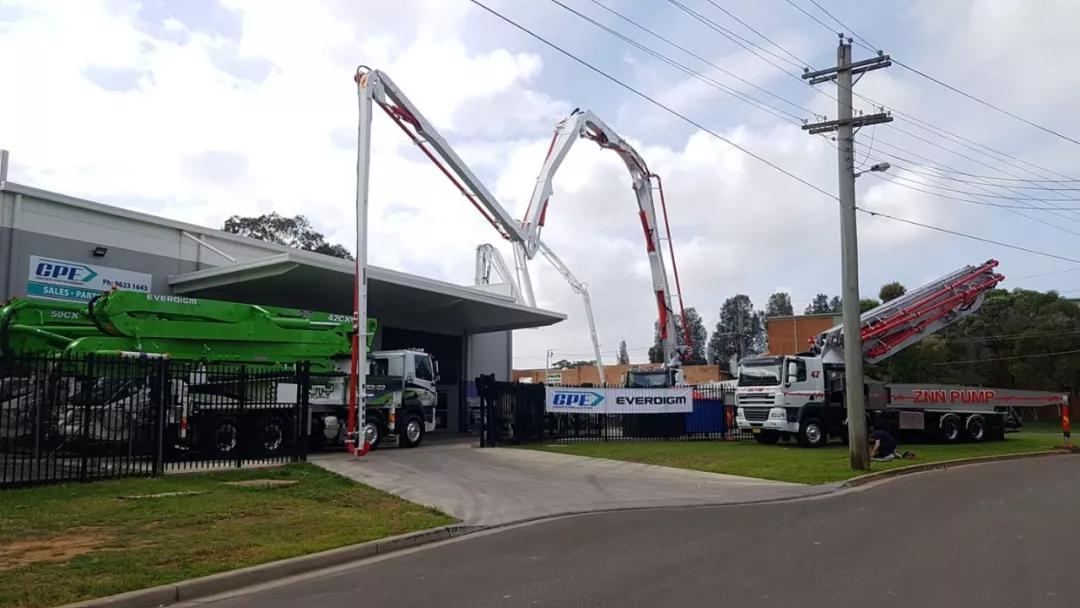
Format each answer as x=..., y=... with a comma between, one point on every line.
x=582, y=123
x=182, y=328
x=895, y=325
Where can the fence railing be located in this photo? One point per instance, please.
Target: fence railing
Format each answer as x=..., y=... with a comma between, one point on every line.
x=81, y=419
x=514, y=413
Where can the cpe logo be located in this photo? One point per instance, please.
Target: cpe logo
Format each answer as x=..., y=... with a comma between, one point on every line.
x=64, y=272
x=583, y=399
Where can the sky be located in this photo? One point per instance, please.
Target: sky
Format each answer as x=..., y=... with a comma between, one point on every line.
x=200, y=109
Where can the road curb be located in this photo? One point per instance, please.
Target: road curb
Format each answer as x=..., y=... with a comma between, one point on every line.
x=213, y=584
x=222, y=582
x=869, y=478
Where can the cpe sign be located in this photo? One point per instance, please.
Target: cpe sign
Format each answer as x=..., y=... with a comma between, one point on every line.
x=54, y=279
x=619, y=400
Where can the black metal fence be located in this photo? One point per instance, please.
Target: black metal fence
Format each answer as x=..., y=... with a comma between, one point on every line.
x=66, y=419
x=514, y=413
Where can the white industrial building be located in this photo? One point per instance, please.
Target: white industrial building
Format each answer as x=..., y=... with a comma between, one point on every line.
x=468, y=329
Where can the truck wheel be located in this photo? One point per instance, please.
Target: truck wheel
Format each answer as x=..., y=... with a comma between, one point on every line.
x=812, y=433
x=221, y=438
x=949, y=428
x=273, y=435
x=412, y=432
x=373, y=432
x=977, y=429
x=767, y=437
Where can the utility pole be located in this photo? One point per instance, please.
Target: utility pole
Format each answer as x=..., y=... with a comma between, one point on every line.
x=547, y=365
x=845, y=126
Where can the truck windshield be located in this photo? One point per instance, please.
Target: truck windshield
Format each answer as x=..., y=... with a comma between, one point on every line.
x=760, y=372
x=657, y=379
x=386, y=366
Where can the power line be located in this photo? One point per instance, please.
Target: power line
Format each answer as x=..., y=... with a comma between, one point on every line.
x=978, y=175
x=807, y=13
x=873, y=136
x=654, y=101
x=866, y=44
x=972, y=144
x=937, y=130
x=966, y=236
x=841, y=24
x=982, y=182
x=895, y=178
x=740, y=148
x=1046, y=274
x=1032, y=356
x=985, y=103
x=1011, y=336
x=720, y=8
x=737, y=39
x=761, y=105
x=945, y=168
x=664, y=58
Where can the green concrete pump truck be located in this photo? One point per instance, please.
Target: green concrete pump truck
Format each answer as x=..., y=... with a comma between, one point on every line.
x=203, y=336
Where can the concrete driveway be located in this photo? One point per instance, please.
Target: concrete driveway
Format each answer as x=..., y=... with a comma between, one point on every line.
x=494, y=486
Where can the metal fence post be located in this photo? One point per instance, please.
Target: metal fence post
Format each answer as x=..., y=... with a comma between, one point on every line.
x=162, y=398
x=303, y=413
x=85, y=439
x=241, y=443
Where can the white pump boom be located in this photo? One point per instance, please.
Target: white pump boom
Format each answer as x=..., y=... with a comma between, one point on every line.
x=899, y=323
x=583, y=123
x=380, y=89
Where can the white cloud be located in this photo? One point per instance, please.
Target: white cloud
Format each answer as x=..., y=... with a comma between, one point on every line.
x=201, y=126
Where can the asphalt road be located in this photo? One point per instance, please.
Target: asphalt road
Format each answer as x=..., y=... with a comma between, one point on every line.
x=993, y=535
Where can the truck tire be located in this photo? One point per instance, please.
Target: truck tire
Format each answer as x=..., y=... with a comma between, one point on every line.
x=949, y=428
x=977, y=428
x=812, y=433
x=374, y=431
x=221, y=436
x=273, y=434
x=767, y=437
x=411, y=432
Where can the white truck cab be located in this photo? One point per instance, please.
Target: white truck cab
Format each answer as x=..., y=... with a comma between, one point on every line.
x=771, y=394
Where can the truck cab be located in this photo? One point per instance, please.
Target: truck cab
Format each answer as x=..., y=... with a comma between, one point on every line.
x=654, y=378
x=786, y=396
x=401, y=396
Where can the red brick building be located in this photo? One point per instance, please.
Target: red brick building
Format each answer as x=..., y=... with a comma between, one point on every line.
x=790, y=334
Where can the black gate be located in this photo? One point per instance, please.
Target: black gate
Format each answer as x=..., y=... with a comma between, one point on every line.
x=514, y=413
x=81, y=419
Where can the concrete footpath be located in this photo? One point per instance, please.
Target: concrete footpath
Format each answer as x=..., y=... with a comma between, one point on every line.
x=495, y=486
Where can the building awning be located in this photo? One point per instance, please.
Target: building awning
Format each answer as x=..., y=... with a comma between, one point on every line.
x=318, y=282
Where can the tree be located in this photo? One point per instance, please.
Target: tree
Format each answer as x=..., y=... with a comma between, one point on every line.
x=779, y=304
x=836, y=304
x=567, y=364
x=866, y=304
x=698, y=335
x=992, y=347
x=819, y=305
x=289, y=231
x=740, y=330
x=891, y=291
x=624, y=357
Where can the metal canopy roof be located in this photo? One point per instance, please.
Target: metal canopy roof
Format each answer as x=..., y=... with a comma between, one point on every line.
x=316, y=282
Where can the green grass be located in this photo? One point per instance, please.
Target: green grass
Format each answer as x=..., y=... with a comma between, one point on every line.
x=787, y=462
x=130, y=544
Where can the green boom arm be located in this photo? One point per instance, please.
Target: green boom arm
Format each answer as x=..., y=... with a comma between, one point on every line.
x=183, y=328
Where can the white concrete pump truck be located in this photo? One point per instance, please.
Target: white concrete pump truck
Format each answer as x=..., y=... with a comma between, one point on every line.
x=802, y=396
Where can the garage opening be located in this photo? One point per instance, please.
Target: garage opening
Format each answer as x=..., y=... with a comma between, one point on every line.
x=448, y=350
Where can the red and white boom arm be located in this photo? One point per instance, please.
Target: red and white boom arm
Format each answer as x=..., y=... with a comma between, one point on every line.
x=583, y=123
x=377, y=88
x=899, y=323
